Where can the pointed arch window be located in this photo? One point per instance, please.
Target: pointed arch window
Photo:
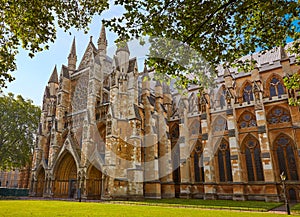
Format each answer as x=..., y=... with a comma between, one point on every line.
x=276, y=87
x=195, y=128
x=220, y=124
x=278, y=115
x=247, y=93
x=192, y=102
x=198, y=163
x=253, y=159
x=247, y=120
x=224, y=162
x=286, y=157
x=222, y=98
x=175, y=132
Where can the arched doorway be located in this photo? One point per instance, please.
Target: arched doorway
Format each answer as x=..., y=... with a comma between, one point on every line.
x=65, y=177
x=94, y=183
x=40, y=182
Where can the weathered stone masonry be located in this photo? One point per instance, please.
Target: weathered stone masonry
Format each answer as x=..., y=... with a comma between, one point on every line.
x=110, y=132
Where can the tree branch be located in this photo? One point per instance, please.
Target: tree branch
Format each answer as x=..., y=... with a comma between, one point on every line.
x=208, y=18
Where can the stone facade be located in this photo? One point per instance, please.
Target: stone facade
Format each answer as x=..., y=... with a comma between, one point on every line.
x=109, y=131
x=16, y=178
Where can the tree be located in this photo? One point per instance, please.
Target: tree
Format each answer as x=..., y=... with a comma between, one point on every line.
x=32, y=25
x=19, y=122
x=293, y=84
x=219, y=30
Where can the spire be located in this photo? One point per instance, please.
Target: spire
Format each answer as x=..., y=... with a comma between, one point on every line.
x=72, y=58
x=145, y=79
x=54, y=77
x=145, y=69
x=145, y=72
x=102, y=42
x=73, y=49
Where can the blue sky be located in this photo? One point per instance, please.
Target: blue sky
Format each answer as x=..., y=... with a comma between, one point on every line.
x=32, y=74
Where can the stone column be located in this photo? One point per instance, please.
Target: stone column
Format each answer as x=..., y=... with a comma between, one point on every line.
x=165, y=157
x=135, y=172
x=235, y=156
x=271, y=192
x=208, y=159
x=185, y=185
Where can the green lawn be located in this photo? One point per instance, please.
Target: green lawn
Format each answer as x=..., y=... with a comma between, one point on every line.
x=65, y=208
x=296, y=208
x=217, y=204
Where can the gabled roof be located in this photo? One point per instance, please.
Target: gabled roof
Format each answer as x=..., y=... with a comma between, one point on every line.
x=54, y=77
x=90, y=51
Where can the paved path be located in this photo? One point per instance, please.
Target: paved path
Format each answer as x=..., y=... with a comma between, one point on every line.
x=281, y=209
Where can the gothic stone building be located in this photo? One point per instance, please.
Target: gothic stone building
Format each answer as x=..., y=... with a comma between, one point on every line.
x=111, y=133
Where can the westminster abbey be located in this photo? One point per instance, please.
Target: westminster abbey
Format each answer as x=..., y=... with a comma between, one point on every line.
x=106, y=132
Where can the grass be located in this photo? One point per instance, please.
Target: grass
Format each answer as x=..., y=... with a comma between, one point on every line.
x=65, y=208
x=214, y=204
x=296, y=208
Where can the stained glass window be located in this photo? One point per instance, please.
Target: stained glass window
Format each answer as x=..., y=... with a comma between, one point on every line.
x=175, y=153
x=247, y=120
x=276, y=87
x=175, y=132
x=221, y=96
x=286, y=157
x=247, y=93
x=220, y=124
x=224, y=162
x=198, y=164
x=221, y=167
x=249, y=165
x=222, y=101
x=253, y=160
x=79, y=98
x=278, y=115
x=195, y=128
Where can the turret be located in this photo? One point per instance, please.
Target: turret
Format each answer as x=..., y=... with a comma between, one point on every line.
x=72, y=58
x=123, y=54
x=64, y=87
x=285, y=62
x=167, y=99
x=159, y=91
x=228, y=77
x=145, y=82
